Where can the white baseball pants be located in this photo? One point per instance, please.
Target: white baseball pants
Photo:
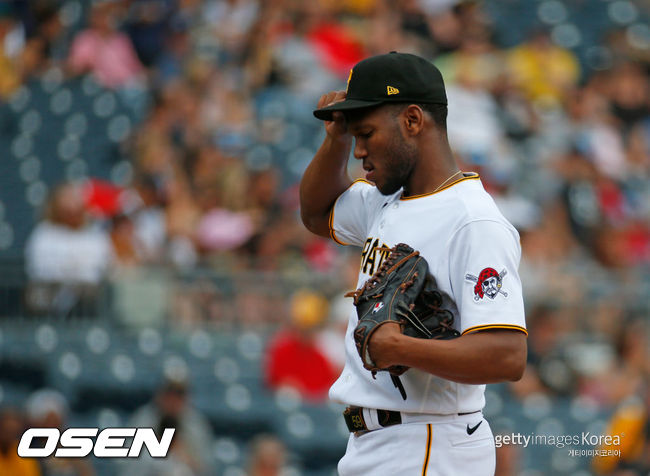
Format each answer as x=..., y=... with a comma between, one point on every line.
x=449, y=445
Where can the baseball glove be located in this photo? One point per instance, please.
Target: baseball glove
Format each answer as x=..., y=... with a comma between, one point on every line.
x=403, y=291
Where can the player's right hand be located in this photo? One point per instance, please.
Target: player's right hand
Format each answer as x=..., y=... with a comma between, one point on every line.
x=336, y=128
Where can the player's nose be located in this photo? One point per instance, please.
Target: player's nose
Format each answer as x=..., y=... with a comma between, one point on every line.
x=359, y=150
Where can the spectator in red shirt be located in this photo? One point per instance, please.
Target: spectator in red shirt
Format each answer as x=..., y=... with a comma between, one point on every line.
x=294, y=358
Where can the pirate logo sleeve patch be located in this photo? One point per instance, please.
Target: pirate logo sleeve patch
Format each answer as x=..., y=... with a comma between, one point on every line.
x=487, y=283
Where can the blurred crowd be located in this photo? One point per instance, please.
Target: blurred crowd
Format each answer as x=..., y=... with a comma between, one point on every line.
x=563, y=147
x=561, y=141
x=190, y=452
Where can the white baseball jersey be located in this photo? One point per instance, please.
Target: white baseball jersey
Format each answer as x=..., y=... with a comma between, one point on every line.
x=472, y=251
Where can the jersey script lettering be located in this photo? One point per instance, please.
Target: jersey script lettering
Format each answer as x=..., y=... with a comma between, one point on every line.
x=371, y=257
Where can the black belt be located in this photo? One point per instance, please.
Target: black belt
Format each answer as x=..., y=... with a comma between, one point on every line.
x=355, y=421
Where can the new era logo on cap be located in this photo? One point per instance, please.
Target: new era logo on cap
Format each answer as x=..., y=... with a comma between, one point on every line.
x=393, y=77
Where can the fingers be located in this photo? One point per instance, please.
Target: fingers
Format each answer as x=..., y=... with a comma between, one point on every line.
x=338, y=96
x=336, y=127
x=331, y=98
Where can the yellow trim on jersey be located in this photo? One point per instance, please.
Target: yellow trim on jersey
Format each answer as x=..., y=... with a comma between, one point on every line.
x=495, y=326
x=330, y=224
x=427, y=454
x=361, y=180
x=330, y=221
x=472, y=176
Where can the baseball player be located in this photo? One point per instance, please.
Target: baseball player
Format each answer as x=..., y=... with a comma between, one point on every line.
x=393, y=116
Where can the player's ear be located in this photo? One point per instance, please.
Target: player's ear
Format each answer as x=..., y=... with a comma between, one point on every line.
x=413, y=119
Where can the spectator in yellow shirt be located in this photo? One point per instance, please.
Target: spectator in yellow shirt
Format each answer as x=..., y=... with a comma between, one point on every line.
x=11, y=428
x=542, y=70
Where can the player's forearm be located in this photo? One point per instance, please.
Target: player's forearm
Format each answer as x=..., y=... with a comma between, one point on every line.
x=324, y=180
x=478, y=358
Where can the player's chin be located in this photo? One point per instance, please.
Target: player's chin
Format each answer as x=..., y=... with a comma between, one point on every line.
x=387, y=188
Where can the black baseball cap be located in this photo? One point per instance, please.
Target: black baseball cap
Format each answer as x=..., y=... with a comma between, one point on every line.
x=389, y=78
